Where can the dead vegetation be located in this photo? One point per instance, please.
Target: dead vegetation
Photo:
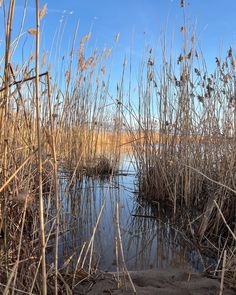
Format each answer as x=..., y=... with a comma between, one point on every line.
x=185, y=151
x=192, y=168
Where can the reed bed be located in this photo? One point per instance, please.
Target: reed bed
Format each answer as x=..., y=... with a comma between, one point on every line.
x=49, y=123
x=186, y=158
x=183, y=139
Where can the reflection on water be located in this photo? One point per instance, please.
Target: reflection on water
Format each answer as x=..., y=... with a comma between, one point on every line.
x=147, y=242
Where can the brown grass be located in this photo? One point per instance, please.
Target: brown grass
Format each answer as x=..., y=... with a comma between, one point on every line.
x=182, y=137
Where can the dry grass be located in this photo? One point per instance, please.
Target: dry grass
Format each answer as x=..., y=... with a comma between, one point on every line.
x=186, y=158
x=183, y=140
x=43, y=129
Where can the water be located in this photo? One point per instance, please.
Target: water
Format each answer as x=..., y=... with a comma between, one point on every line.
x=147, y=242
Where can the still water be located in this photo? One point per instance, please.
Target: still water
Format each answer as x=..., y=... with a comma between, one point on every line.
x=147, y=242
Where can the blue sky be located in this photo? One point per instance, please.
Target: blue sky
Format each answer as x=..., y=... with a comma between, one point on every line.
x=140, y=23
x=140, y=20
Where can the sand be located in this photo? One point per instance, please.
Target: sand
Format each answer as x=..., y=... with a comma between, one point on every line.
x=156, y=282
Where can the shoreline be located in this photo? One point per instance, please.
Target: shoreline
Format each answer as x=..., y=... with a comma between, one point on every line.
x=155, y=282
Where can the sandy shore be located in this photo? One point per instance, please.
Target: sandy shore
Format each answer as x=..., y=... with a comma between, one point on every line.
x=156, y=282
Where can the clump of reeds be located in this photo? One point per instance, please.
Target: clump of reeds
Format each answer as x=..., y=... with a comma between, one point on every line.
x=186, y=157
x=101, y=166
x=42, y=130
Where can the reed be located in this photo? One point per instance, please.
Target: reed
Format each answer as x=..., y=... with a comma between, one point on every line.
x=186, y=158
x=54, y=123
x=44, y=130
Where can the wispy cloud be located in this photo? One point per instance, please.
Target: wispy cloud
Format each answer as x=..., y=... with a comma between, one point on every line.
x=49, y=10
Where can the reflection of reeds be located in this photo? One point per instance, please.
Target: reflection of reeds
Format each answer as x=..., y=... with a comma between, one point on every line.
x=183, y=137
x=158, y=242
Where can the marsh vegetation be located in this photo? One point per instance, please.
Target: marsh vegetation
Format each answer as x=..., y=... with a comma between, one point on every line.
x=89, y=180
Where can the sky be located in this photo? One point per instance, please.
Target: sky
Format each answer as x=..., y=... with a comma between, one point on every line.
x=141, y=24
x=138, y=21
